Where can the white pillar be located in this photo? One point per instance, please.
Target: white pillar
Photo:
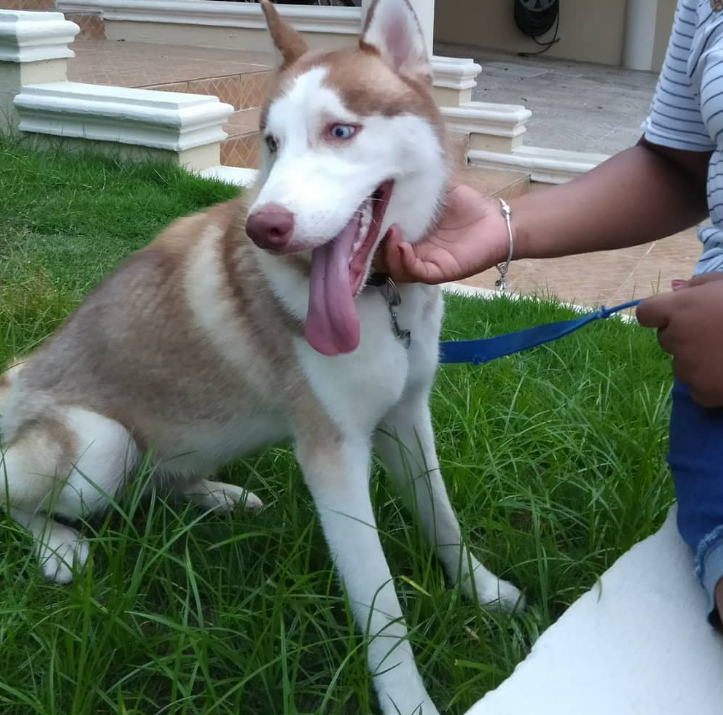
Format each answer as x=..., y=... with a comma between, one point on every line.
x=33, y=50
x=424, y=10
x=640, y=19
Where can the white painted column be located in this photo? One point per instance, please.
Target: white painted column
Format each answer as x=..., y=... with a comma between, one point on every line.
x=33, y=49
x=640, y=19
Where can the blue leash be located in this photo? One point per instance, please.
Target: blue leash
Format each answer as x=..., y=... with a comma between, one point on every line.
x=485, y=349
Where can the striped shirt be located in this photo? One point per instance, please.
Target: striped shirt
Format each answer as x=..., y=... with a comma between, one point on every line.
x=687, y=109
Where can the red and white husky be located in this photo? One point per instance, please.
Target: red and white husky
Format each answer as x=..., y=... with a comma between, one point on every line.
x=251, y=323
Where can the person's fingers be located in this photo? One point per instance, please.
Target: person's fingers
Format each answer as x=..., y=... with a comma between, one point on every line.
x=393, y=236
x=703, y=279
x=386, y=251
x=415, y=269
x=401, y=261
x=666, y=340
x=655, y=312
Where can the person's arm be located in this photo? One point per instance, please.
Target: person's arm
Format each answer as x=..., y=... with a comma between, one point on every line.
x=640, y=195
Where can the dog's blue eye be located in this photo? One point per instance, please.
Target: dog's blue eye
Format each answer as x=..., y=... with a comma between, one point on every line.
x=342, y=131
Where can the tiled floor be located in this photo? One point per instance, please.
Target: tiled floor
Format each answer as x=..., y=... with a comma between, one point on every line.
x=91, y=25
x=238, y=78
x=591, y=108
x=603, y=278
x=27, y=4
x=575, y=106
x=504, y=184
x=241, y=148
x=138, y=64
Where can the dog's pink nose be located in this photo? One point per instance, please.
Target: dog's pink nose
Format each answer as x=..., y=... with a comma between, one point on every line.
x=270, y=226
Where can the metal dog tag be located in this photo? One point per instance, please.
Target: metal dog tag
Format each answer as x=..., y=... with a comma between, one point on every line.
x=391, y=295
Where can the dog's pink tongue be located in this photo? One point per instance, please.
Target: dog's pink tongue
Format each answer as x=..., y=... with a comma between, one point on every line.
x=332, y=323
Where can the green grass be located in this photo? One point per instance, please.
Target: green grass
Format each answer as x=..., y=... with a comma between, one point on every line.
x=554, y=460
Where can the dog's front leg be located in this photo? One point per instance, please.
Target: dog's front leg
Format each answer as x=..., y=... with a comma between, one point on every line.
x=337, y=473
x=405, y=442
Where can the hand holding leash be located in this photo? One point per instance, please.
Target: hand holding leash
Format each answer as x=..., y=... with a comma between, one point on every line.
x=689, y=322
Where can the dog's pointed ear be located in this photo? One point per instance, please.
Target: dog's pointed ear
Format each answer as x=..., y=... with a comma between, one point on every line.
x=287, y=40
x=392, y=29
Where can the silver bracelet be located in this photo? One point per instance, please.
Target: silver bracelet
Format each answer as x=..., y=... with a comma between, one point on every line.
x=501, y=282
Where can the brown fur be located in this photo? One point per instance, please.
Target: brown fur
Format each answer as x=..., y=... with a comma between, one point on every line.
x=133, y=351
x=365, y=83
x=55, y=432
x=287, y=40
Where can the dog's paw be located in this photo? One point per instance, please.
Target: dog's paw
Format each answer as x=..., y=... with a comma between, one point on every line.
x=494, y=593
x=218, y=496
x=61, y=551
x=508, y=598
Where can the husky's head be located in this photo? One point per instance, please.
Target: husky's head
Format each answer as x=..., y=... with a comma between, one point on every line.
x=352, y=144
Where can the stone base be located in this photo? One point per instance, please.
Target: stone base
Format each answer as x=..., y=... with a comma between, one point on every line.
x=489, y=142
x=546, y=166
x=14, y=75
x=197, y=159
x=188, y=125
x=448, y=97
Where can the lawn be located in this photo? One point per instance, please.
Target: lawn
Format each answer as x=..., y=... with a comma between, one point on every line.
x=554, y=460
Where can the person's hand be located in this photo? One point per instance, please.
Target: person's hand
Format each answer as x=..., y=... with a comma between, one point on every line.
x=690, y=327
x=470, y=237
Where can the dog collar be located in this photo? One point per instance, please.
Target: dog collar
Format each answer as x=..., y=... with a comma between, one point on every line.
x=377, y=280
x=393, y=299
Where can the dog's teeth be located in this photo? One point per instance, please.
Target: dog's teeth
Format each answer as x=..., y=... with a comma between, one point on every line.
x=366, y=219
x=364, y=225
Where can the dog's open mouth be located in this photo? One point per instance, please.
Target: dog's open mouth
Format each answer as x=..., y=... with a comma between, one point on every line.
x=337, y=272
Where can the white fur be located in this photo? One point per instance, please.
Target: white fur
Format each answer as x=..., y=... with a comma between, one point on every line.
x=324, y=183
x=394, y=30
x=105, y=456
x=60, y=548
x=218, y=496
x=380, y=383
x=376, y=396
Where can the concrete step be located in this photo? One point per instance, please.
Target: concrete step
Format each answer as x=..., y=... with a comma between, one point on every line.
x=242, y=91
x=241, y=149
x=495, y=183
x=239, y=78
x=457, y=146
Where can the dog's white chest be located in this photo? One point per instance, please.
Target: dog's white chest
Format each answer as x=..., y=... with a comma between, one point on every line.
x=358, y=389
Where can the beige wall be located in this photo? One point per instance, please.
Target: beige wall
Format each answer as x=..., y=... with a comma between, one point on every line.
x=231, y=38
x=590, y=30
